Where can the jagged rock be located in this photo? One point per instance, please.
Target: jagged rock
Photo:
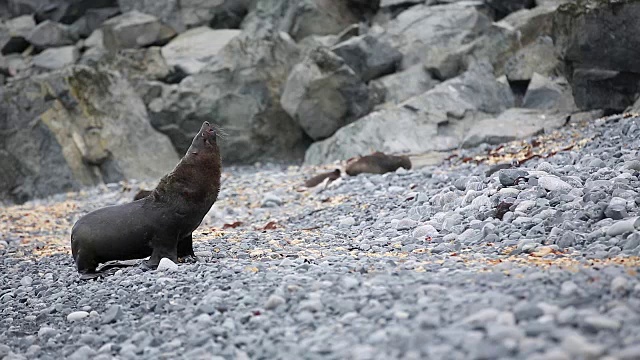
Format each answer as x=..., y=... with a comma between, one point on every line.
x=56, y=58
x=85, y=127
x=604, y=89
x=369, y=57
x=51, y=34
x=544, y=93
x=239, y=90
x=68, y=11
x=504, y=7
x=135, y=29
x=323, y=94
x=539, y=57
x=312, y=42
x=92, y=20
x=14, y=33
x=514, y=123
x=402, y=85
x=604, y=74
x=168, y=11
x=531, y=24
x=435, y=120
x=299, y=18
x=62, y=11
x=429, y=34
x=219, y=14
x=191, y=50
x=497, y=44
x=137, y=65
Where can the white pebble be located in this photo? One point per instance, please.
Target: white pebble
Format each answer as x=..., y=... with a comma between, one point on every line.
x=77, y=315
x=167, y=265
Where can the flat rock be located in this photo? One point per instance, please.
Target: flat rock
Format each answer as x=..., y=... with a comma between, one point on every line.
x=368, y=56
x=135, y=29
x=56, y=58
x=515, y=123
x=191, y=50
x=51, y=34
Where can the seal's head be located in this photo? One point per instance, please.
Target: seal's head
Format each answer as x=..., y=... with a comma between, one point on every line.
x=205, y=139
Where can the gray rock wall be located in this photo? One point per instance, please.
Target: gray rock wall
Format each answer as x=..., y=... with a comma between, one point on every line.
x=395, y=76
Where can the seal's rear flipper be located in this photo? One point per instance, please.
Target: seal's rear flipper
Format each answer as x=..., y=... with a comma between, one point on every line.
x=101, y=274
x=116, y=264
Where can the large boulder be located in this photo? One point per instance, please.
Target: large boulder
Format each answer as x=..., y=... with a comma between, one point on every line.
x=435, y=120
x=56, y=58
x=549, y=94
x=538, y=57
x=239, y=90
x=72, y=128
x=429, y=34
x=14, y=34
x=51, y=34
x=515, y=123
x=369, y=57
x=191, y=50
x=402, y=85
x=299, y=18
x=92, y=20
x=600, y=55
x=185, y=14
x=135, y=29
x=62, y=11
x=323, y=94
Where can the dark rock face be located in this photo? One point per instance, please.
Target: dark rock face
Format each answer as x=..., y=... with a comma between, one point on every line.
x=599, y=52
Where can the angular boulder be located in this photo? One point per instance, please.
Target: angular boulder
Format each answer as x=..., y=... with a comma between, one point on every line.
x=51, y=34
x=538, y=57
x=239, y=89
x=400, y=86
x=191, y=50
x=62, y=11
x=56, y=58
x=135, y=29
x=428, y=34
x=369, y=57
x=300, y=18
x=435, y=120
x=14, y=34
x=86, y=127
x=548, y=94
x=515, y=123
x=323, y=94
x=599, y=54
x=168, y=11
x=92, y=20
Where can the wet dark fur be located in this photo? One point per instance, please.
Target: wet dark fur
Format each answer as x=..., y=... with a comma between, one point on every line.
x=377, y=163
x=160, y=224
x=142, y=194
x=318, y=179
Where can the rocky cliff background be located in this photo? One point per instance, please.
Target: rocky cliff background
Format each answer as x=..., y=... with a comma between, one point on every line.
x=97, y=91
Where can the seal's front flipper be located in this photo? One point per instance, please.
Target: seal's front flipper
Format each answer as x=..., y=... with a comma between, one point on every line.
x=185, y=247
x=165, y=248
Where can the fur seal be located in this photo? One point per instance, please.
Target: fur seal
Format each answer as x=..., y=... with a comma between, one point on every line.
x=318, y=179
x=142, y=194
x=158, y=225
x=377, y=163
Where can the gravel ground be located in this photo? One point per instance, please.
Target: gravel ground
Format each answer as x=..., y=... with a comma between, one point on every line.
x=537, y=262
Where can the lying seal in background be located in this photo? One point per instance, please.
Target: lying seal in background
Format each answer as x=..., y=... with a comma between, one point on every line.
x=377, y=163
x=318, y=179
x=158, y=225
